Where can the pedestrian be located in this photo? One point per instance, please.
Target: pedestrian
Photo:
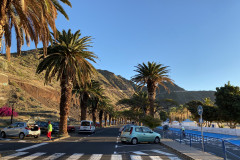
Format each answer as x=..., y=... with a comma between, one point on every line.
x=49, y=130
x=183, y=131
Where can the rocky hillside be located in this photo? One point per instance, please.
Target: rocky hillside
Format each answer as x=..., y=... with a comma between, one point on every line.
x=34, y=99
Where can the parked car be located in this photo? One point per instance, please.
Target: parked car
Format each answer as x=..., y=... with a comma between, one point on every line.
x=43, y=126
x=86, y=127
x=22, y=130
x=135, y=134
x=55, y=126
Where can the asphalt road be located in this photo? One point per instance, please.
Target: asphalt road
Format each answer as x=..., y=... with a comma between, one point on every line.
x=103, y=145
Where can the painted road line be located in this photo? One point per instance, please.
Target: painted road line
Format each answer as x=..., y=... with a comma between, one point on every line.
x=54, y=156
x=33, y=156
x=161, y=152
x=30, y=147
x=155, y=158
x=75, y=156
x=133, y=157
x=139, y=152
x=96, y=157
x=174, y=158
x=14, y=155
x=116, y=157
x=116, y=146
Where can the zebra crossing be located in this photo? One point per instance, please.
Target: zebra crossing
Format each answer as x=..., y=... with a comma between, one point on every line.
x=135, y=155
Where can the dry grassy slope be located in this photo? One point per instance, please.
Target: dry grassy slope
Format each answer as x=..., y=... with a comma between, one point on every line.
x=39, y=100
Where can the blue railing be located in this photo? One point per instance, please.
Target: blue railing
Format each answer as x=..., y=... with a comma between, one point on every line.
x=226, y=147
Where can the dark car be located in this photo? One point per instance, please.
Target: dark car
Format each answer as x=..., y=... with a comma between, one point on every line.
x=43, y=126
x=55, y=126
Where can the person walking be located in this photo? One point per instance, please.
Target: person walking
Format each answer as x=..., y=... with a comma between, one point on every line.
x=183, y=132
x=49, y=130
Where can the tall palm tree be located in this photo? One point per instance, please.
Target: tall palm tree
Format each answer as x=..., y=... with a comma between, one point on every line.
x=32, y=18
x=68, y=59
x=153, y=75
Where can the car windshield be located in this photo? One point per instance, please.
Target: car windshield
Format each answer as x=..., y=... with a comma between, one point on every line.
x=85, y=124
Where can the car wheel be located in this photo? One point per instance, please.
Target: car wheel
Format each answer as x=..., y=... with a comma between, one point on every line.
x=3, y=134
x=134, y=141
x=21, y=135
x=156, y=140
x=36, y=136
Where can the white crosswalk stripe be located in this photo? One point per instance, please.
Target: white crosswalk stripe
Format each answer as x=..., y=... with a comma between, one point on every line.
x=137, y=155
x=14, y=155
x=140, y=153
x=33, y=156
x=96, y=157
x=54, y=156
x=155, y=158
x=134, y=157
x=75, y=156
x=116, y=157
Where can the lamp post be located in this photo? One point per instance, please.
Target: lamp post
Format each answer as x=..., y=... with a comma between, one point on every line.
x=12, y=102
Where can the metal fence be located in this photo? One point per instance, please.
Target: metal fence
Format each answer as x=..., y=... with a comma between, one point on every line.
x=224, y=148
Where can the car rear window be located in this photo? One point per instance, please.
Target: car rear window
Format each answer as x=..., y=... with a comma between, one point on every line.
x=127, y=129
x=138, y=129
x=85, y=124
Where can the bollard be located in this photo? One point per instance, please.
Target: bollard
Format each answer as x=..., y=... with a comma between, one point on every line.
x=224, y=150
x=180, y=138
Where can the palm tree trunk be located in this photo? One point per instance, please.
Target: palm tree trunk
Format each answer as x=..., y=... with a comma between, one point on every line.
x=83, y=105
x=8, y=53
x=105, y=119
x=100, y=117
x=110, y=119
x=2, y=24
x=151, y=97
x=65, y=101
x=94, y=116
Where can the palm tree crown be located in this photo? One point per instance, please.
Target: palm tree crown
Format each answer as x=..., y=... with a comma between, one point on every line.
x=152, y=75
x=68, y=60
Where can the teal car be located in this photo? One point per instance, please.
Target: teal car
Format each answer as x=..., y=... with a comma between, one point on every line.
x=137, y=134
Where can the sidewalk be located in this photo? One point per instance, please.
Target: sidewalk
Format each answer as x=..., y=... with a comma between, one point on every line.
x=187, y=152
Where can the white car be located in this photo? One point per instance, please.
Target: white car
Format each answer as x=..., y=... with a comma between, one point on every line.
x=21, y=130
x=86, y=127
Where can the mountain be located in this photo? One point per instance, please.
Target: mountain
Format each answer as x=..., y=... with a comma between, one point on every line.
x=34, y=99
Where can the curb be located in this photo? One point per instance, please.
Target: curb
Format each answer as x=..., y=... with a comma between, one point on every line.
x=177, y=152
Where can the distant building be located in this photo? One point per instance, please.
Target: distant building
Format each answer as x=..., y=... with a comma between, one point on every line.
x=3, y=79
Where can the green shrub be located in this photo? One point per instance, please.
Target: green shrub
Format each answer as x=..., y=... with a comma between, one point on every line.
x=21, y=98
x=18, y=90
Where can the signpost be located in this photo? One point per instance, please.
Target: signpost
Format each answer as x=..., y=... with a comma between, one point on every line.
x=200, y=112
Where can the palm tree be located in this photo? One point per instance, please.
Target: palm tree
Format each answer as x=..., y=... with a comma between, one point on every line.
x=68, y=59
x=138, y=102
x=31, y=18
x=153, y=75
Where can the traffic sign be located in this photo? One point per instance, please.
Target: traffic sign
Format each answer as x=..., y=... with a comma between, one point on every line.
x=200, y=110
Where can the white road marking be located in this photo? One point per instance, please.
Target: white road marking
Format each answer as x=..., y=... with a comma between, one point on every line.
x=96, y=157
x=30, y=147
x=139, y=152
x=75, y=156
x=54, y=156
x=161, y=152
x=14, y=155
x=35, y=155
x=133, y=157
x=174, y=158
x=114, y=152
x=22, y=141
x=116, y=157
x=155, y=158
x=116, y=146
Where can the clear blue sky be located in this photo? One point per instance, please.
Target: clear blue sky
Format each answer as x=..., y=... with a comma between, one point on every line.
x=198, y=39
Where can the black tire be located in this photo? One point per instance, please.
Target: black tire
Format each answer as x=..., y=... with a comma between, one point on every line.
x=21, y=135
x=36, y=136
x=123, y=142
x=134, y=141
x=157, y=140
x=3, y=134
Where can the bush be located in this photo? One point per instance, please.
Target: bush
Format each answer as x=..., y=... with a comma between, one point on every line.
x=151, y=122
x=7, y=111
x=18, y=90
x=21, y=98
